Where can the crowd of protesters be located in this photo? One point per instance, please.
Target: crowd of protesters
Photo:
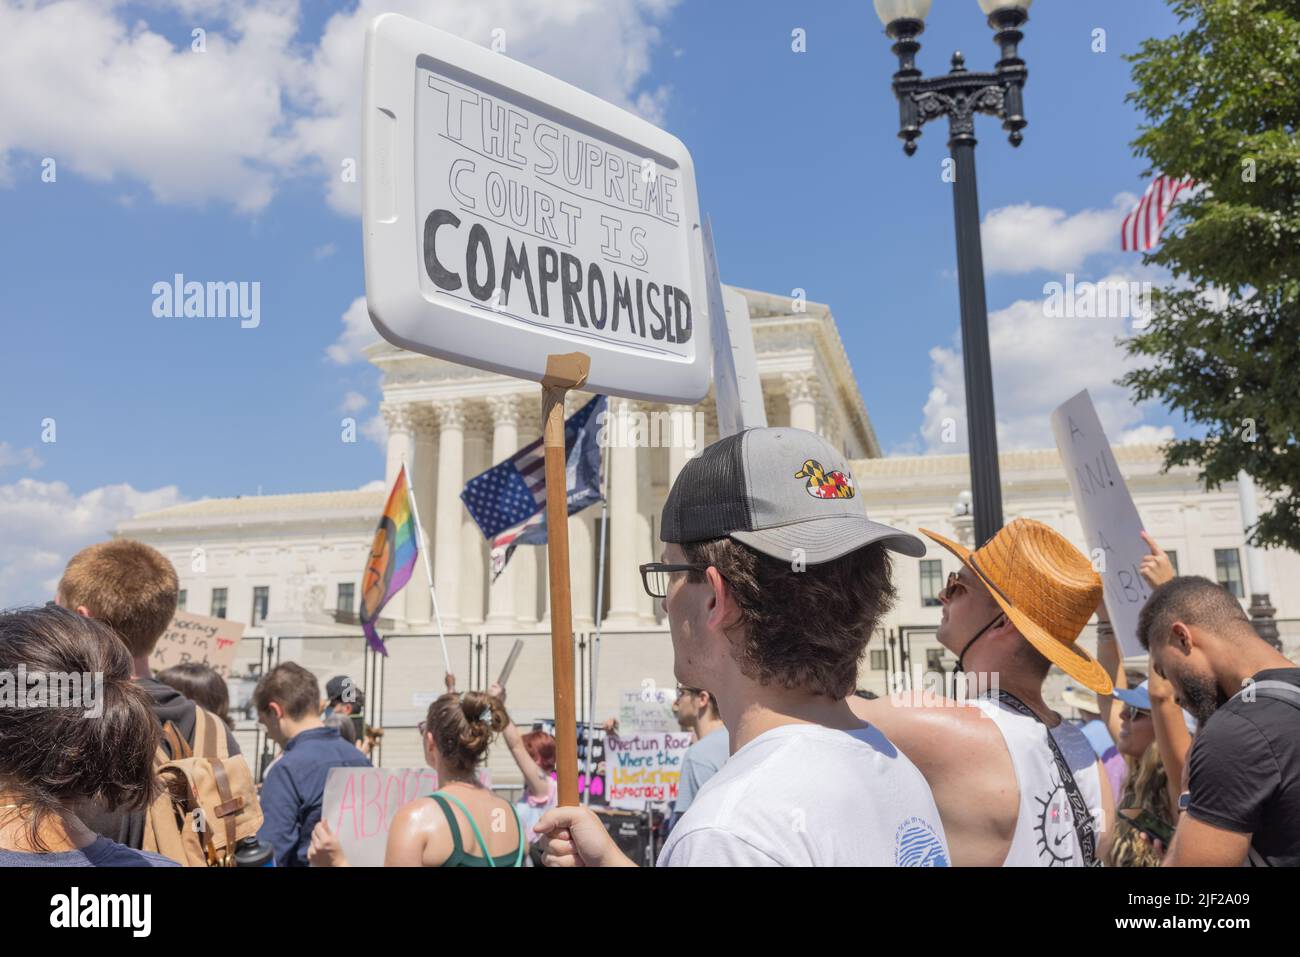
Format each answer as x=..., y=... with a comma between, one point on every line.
x=772, y=579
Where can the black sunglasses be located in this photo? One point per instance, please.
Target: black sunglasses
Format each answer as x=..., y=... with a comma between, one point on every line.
x=655, y=576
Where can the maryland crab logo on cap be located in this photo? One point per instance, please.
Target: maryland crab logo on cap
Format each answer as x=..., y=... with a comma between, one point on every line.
x=824, y=484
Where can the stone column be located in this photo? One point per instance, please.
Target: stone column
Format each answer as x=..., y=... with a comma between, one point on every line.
x=529, y=563
x=687, y=439
x=400, y=418
x=422, y=471
x=646, y=537
x=624, y=579
x=1262, y=612
x=451, y=471
x=504, y=410
x=474, y=548
x=801, y=390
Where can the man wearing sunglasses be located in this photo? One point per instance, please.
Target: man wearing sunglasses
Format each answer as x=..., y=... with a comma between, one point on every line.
x=773, y=578
x=1017, y=785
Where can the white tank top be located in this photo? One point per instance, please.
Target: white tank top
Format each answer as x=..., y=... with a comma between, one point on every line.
x=1045, y=834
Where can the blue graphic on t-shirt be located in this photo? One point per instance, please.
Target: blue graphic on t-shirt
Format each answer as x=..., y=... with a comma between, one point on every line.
x=917, y=845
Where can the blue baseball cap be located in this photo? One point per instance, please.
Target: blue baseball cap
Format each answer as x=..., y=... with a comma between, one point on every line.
x=1140, y=698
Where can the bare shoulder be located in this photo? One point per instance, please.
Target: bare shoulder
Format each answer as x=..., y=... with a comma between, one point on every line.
x=934, y=732
x=418, y=836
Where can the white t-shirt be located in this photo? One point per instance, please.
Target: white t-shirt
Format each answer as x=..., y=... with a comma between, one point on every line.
x=806, y=795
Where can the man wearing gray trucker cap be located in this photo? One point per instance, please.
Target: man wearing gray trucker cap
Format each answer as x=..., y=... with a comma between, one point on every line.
x=773, y=578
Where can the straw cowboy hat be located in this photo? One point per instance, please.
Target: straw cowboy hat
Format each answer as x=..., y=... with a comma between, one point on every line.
x=1046, y=587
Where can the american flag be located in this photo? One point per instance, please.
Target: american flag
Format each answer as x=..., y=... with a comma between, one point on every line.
x=1142, y=226
x=513, y=491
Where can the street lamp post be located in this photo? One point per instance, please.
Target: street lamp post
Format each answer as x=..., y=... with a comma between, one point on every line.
x=959, y=95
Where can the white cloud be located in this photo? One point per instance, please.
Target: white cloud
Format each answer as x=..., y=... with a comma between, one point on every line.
x=1038, y=363
x=1026, y=238
x=353, y=402
x=45, y=524
x=1147, y=435
x=323, y=252
x=378, y=485
x=25, y=459
x=108, y=97
x=96, y=87
x=358, y=332
x=376, y=430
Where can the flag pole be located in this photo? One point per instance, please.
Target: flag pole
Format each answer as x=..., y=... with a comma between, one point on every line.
x=428, y=569
x=563, y=372
x=600, y=610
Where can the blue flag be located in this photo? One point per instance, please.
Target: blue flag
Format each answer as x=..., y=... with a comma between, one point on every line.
x=513, y=491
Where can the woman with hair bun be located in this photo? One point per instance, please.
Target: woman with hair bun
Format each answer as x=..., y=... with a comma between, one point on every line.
x=462, y=824
x=87, y=734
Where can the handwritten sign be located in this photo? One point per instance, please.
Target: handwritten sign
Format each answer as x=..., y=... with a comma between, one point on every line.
x=643, y=767
x=647, y=709
x=359, y=805
x=597, y=758
x=539, y=218
x=195, y=638
x=1110, y=520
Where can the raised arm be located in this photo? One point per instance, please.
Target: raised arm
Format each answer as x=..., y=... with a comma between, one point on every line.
x=537, y=781
x=1108, y=657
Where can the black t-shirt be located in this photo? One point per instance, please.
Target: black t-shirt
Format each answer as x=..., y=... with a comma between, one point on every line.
x=1245, y=771
x=127, y=827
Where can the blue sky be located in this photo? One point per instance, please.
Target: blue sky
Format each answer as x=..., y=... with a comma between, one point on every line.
x=224, y=166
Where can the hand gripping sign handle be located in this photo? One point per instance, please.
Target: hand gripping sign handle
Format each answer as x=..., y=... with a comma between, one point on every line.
x=563, y=372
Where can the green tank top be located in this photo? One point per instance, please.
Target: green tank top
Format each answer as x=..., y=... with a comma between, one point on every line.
x=459, y=857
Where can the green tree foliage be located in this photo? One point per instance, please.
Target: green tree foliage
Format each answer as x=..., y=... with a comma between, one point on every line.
x=1221, y=100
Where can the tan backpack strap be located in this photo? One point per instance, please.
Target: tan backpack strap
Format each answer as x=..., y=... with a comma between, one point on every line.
x=212, y=741
x=180, y=748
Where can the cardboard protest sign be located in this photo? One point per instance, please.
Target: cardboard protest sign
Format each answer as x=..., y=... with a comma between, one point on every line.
x=737, y=388
x=644, y=767
x=209, y=641
x=1110, y=520
x=509, y=216
x=359, y=805
x=647, y=709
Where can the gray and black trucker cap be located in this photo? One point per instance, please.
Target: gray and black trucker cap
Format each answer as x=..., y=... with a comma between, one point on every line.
x=775, y=490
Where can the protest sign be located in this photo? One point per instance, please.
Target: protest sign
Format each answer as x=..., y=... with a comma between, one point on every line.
x=647, y=709
x=509, y=216
x=1112, y=527
x=359, y=805
x=644, y=767
x=737, y=388
x=597, y=796
x=196, y=638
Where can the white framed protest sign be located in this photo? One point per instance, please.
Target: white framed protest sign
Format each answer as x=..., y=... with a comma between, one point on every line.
x=1110, y=520
x=509, y=216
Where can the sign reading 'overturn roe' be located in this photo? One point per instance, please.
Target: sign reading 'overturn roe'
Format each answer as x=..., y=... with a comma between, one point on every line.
x=542, y=218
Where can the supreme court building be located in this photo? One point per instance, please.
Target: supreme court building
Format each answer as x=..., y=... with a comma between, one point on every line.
x=290, y=566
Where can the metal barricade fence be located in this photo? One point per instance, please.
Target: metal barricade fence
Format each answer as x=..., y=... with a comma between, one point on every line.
x=400, y=686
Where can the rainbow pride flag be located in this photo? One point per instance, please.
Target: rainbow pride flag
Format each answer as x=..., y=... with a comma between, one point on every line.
x=392, y=556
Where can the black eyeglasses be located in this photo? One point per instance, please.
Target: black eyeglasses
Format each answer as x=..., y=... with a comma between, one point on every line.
x=655, y=575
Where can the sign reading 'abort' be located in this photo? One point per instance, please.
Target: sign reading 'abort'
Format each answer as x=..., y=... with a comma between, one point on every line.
x=509, y=215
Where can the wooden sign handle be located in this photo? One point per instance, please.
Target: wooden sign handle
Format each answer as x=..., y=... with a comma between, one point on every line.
x=563, y=372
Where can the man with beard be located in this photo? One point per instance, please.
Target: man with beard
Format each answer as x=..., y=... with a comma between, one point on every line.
x=1243, y=797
